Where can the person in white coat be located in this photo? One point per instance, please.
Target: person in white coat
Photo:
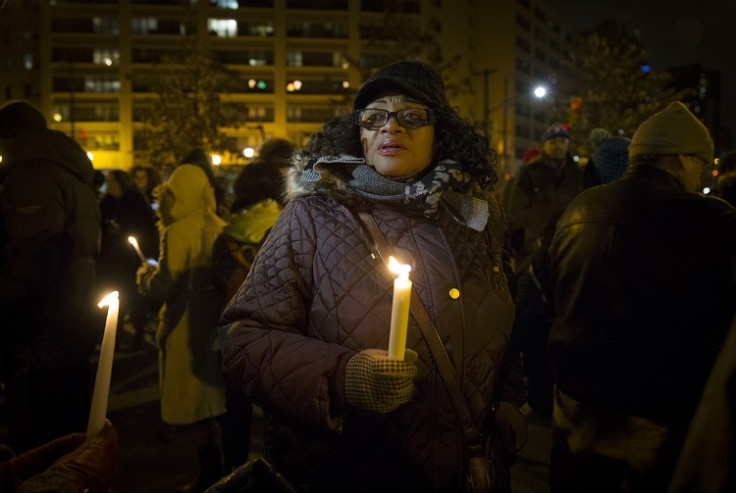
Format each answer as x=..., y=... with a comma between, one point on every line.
x=191, y=384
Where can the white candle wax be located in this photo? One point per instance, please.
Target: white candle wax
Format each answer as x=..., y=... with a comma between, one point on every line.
x=132, y=240
x=399, y=310
x=98, y=409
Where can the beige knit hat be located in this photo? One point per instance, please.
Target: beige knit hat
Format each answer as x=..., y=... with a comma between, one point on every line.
x=674, y=130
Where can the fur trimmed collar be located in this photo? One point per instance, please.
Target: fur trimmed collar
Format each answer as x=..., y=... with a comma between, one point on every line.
x=350, y=180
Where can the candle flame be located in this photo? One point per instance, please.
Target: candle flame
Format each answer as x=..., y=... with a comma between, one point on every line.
x=107, y=300
x=397, y=268
x=132, y=241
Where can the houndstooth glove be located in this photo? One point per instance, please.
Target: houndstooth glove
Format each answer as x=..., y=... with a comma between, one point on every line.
x=375, y=383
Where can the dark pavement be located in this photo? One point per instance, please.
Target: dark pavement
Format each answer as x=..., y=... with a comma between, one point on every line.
x=147, y=464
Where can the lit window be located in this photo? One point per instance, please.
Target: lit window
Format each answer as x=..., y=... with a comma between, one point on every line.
x=101, y=85
x=143, y=25
x=28, y=61
x=294, y=58
x=226, y=28
x=260, y=28
x=106, y=56
x=105, y=25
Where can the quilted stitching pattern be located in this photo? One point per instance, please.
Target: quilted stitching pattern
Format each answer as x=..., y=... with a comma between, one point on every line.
x=339, y=296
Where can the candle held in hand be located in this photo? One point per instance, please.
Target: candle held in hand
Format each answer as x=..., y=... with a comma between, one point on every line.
x=399, y=309
x=98, y=409
x=134, y=242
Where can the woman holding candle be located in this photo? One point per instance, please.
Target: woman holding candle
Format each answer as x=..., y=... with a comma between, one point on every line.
x=307, y=333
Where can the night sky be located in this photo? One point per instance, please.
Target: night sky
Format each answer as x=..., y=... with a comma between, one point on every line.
x=674, y=33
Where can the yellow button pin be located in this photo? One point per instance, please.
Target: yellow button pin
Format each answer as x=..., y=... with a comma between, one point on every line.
x=454, y=293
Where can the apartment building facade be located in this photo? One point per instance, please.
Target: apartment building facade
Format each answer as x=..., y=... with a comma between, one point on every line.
x=297, y=61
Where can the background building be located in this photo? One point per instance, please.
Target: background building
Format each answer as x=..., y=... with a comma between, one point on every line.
x=296, y=62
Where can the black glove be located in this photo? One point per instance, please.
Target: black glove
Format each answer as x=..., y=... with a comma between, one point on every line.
x=510, y=426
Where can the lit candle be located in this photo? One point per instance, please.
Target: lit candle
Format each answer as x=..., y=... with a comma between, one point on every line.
x=134, y=242
x=98, y=409
x=399, y=309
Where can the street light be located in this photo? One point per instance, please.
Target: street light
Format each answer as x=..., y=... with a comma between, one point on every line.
x=538, y=92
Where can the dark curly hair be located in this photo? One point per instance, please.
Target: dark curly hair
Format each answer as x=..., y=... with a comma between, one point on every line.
x=454, y=138
x=257, y=181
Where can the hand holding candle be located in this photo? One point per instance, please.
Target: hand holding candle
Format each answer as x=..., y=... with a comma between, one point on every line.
x=98, y=409
x=399, y=309
x=132, y=240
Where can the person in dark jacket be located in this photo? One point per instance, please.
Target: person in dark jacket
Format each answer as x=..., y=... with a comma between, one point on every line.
x=541, y=191
x=146, y=179
x=643, y=293
x=50, y=237
x=533, y=313
x=305, y=337
x=126, y=213
x=258, y=191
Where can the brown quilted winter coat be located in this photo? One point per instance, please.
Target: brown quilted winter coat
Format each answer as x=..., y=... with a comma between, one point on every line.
x=316, y=296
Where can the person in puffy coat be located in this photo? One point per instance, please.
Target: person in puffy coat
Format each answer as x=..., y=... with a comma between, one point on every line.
x=305, y=337
x=191, y=385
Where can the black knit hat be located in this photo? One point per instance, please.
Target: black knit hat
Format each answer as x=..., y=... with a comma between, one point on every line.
x=416, y=79
x=17, y=116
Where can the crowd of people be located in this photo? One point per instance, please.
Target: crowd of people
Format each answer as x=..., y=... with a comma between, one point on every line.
x=600, y=297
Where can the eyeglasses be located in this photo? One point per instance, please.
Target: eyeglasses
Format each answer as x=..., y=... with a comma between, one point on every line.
x=408, y=117
x=702, y=161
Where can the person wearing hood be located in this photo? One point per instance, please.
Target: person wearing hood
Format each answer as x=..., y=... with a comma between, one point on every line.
x=49, y=235
x=199, y=158
x=191, y=386
x=305, y=336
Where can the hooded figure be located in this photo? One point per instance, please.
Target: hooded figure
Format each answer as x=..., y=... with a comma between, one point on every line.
x=49, y=236
x=191, y=387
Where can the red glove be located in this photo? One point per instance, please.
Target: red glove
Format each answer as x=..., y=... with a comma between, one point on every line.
x=37, y=460
x=93, y=464
x=81, y=465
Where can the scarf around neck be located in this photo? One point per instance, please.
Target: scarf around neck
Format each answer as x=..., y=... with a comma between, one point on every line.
x=436, y=188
